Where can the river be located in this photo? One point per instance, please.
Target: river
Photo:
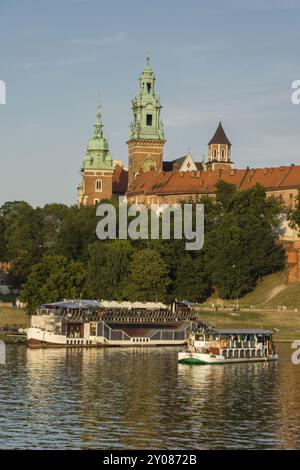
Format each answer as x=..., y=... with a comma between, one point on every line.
x=140, y=398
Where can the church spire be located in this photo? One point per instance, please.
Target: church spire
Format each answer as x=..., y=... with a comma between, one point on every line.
x=146, y=139
x=219, y=136
x=98, y=126
x=146, y=108
x=219, y=150
x=97, y=167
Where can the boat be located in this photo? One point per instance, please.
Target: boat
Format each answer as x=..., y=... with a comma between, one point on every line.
x=225, y=346
x=92, y=323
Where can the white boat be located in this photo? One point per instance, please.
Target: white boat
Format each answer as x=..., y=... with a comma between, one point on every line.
x=220, y=346
x=89, y=323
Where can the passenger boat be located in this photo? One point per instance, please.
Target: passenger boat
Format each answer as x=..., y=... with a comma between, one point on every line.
x=89, y=323
x=218, y=346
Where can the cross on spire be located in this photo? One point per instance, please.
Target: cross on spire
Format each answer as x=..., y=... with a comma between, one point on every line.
x=98, y=125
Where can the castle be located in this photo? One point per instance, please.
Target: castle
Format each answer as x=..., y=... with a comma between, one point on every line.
x=151, y=180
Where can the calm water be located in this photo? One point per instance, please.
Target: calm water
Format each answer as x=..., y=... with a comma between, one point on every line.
x=141, y=398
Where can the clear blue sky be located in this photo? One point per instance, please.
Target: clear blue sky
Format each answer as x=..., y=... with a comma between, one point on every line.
x=233, y=58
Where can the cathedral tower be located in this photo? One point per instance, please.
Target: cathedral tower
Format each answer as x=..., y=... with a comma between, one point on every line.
x=219, y=151
x=97, y=168
x=146, y=140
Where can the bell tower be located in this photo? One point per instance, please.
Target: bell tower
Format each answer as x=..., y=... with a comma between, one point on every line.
x=146, y=139
x=219, y=151
x=97, y=168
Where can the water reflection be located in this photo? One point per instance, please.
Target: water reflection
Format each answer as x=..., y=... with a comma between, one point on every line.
x=141, y=398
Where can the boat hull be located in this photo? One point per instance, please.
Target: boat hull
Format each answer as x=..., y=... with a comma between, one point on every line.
x=206, y=359
x=38, y=338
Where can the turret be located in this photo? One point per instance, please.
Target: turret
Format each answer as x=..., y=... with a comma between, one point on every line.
x=219, y=150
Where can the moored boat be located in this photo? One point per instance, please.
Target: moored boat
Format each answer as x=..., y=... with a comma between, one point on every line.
x=220, y=346
x=89, y=323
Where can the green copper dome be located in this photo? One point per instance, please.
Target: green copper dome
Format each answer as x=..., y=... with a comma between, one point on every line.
x=97, y=156
x=98, y=143
x=146, y=109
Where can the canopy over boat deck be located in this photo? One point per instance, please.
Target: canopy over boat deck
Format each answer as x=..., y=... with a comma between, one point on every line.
x=118, y=312
x=242, y=331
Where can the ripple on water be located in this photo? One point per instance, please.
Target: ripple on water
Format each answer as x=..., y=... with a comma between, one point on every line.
x=105, y=399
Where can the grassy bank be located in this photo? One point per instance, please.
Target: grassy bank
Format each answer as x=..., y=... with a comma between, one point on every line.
x=288, y=323
x=13, y=316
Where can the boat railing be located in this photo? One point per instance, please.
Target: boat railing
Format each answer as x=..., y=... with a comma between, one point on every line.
x=111, y=334
x=174, y=335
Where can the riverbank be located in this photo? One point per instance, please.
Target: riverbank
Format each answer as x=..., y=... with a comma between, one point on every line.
x=287, y=322
x=12, y=319
x=13, y=316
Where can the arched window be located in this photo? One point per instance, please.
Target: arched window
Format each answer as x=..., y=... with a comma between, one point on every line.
x=223, y=153
x=215, y=153
x=98, y=186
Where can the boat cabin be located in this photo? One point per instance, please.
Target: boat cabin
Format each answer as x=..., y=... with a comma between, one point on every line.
x=234, y=343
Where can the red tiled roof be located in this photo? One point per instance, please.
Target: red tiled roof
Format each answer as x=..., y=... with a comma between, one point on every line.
x=204, y=182
x=120, y=180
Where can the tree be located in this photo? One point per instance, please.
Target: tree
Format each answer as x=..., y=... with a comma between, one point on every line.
x=23, y=236
x=3, y=247
x=192, y=282
x=107, y=268
x=240, y=246
x=148, y=277
x=294, y=215
x=53, y=279
x=78, y=230
x=52, y=216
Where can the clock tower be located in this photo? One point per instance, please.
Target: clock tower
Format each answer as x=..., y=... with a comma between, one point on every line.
x=146, y=139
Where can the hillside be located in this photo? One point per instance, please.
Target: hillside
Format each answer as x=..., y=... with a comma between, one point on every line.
x=270, y=292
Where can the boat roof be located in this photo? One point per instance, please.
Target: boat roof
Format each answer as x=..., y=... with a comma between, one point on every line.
x=241, y=331
x=72, y=304
x=88, y=304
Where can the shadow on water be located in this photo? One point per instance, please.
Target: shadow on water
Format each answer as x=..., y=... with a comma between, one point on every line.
x=117, y=398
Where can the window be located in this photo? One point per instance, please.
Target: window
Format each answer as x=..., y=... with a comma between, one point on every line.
x=215, y=153
x=149, y=119
x=149, y=87
x=98, y=186
x=96, y=201
x=223, y=153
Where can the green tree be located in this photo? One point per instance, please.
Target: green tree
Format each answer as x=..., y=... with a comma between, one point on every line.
x=52, y=216
x=107, y=268
x=23, y=236
x=53, y=279
x=148, y=277
x=77, y=231
x=192, y=282
x=3, y=248
x=294, y=215
x=241, y=243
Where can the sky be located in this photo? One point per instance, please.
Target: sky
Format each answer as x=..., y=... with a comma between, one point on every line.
x=235, y=58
